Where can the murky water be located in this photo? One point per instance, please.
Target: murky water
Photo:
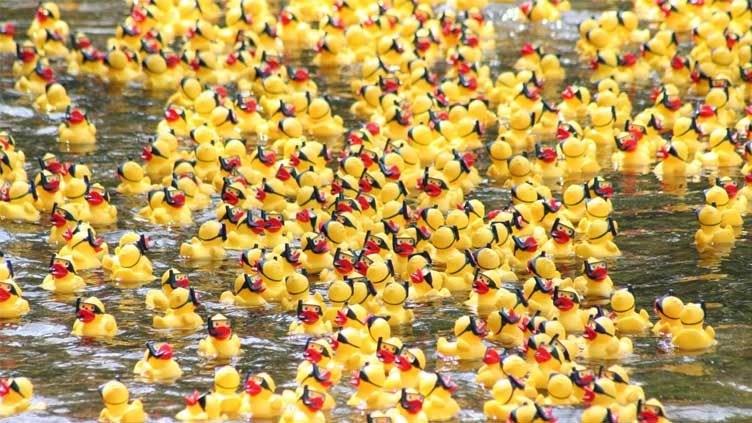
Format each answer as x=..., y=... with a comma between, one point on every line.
x=657, y=229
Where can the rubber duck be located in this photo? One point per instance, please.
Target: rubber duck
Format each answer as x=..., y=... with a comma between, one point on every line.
x=117, y=409
x=15, y=396
x=62, y=278
x=225, y=390
x=567, y=302
x=409, y=408
x=181, y=314
x=35, y=81
x=63, y=223
x=48, y=192
x=76, y=129
x=718, y=197
x=54, y=99
x=307, y=408
x=578, y=161
x=692, y=335
x=7, y=44
x=17, y=201
x=12, y=304
x=133, y=180
x=247, y=292
x=394, y=296
x=207, y=245
x=594, y=282
x=651, y=411
x=315, y=253
x=319, y=351
x=627, y=319
x=258, y=399
x=626, y=392
x=158, y=363
x=712, y=234
x=170, y=279
x=132, y=266
x=311, y=322
x=346, y=344
x=370, y=394
x=508, y=393
x=470, y=332
x=599, y=243
x=86, y=249
x=722, y=152
x=200, y=407
x=221, y=343
x=601, y=341
x=438, y=403
x=407, y=371
x=560, y=244
x=91, y=319
x=599, y=414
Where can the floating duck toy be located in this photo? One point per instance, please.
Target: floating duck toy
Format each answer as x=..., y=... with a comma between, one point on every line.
x=570, y=315
x=258, y=399
x=62, y=278
x=627, y=319
x=226, y=383
x=692, y=335
x=54, y=99
x=408, y=370
x=15, y=397
x=599, y=243
x=712, y=234
x=200, y=407
x=409, y=408
x=207, y=245
x=438, y=403
x=132, y=266
x=651, y=411
x=85, y=248
x=170, y=280
x=158, y=363
x=470, y=332
x=133, y=180
x=310, y=315
x=12, y=304
x=91, y=319
x=17, y=202
x=394, y=296
x=307, y=408
x=221, y=343
x=76, y=129
x=508, y=393
x=181, y=314
x=370, y=394
x=601, y=341
x=248, y=291
x=117, y=408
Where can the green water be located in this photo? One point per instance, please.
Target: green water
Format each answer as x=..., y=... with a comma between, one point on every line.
x=656, y=237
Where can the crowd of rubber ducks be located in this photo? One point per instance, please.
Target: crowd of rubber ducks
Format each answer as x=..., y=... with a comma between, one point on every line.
x=346, y=240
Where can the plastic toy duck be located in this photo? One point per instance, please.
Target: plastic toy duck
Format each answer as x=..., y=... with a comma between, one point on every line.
x=594, y=281
x=76, y=129
x=626, y=393
x=562, y=234
x=315, y=256
x=394, y=296
x=12, y=304
x=85, y=248
x=181, y=314
x=692, y=335
x=601, y=341
x=17, y=201
x=508, y=393
x=117, y=409
x=158, y=363
x=675, y=161
x=438, y=403
x=226, y=383
x=62, y=278
x=470, y=332
x=718, y=197
x=310, y=316
x=200, y=407
x=258, y=399
x=567, y=302
x=171, y=279
x=15, y=397
x=47, y=186
x=668, y=308
x=307, y=408
x=370, y=394
x=35, y=81
x=599, y=414
x=207, y=245
x=248, y=291
x=346, y=344
x=321, y=121
x=221, y=343
x=599, y=243
x=54, y=99
x=132, y=266
x=319, y=351
x=7, y=44
x=651, y=411
x=712, y=234
x=133, y=180
x=63, y=222
x=409, y=408
x=91, y=319
x=627, y=319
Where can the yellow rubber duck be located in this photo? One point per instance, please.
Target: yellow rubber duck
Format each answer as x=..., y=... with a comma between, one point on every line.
x=158, y=363
x=692, y=335
x=117, y=409
x=54, y=99
x=599, y=243
x=62, y=278
x=470, y=332
x=719, y=198
x=409, y=408
x=63, y=223
x=207, y=245
x=48, y=192
x=248, y=291
x=7, y=44
x=627, y=319
x=601, y=341
x=35, y=81
x=508, y=393
x=181, y=314
x=712, y=235
x=652, y=411
x=133, y=180
x=394, y=296
x=221, y=343
x=315, y=253
x=170, y=280
x=76, y=129
x=369, y=384
x=626, y=393
x=200, y=407
x=346, y=344
x=85, y=248
x=12, y=304
x=17, y=202
x=91, y=319
x=599, y=414
x=132, y=266
x=438, y=403
x=307, y=408
x=15, y=397
x=258, y=399
x=570, y=315
x=225, y=391
x=310, y=316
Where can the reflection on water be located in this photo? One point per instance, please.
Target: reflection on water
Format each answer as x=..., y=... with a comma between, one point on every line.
x=656, y=220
